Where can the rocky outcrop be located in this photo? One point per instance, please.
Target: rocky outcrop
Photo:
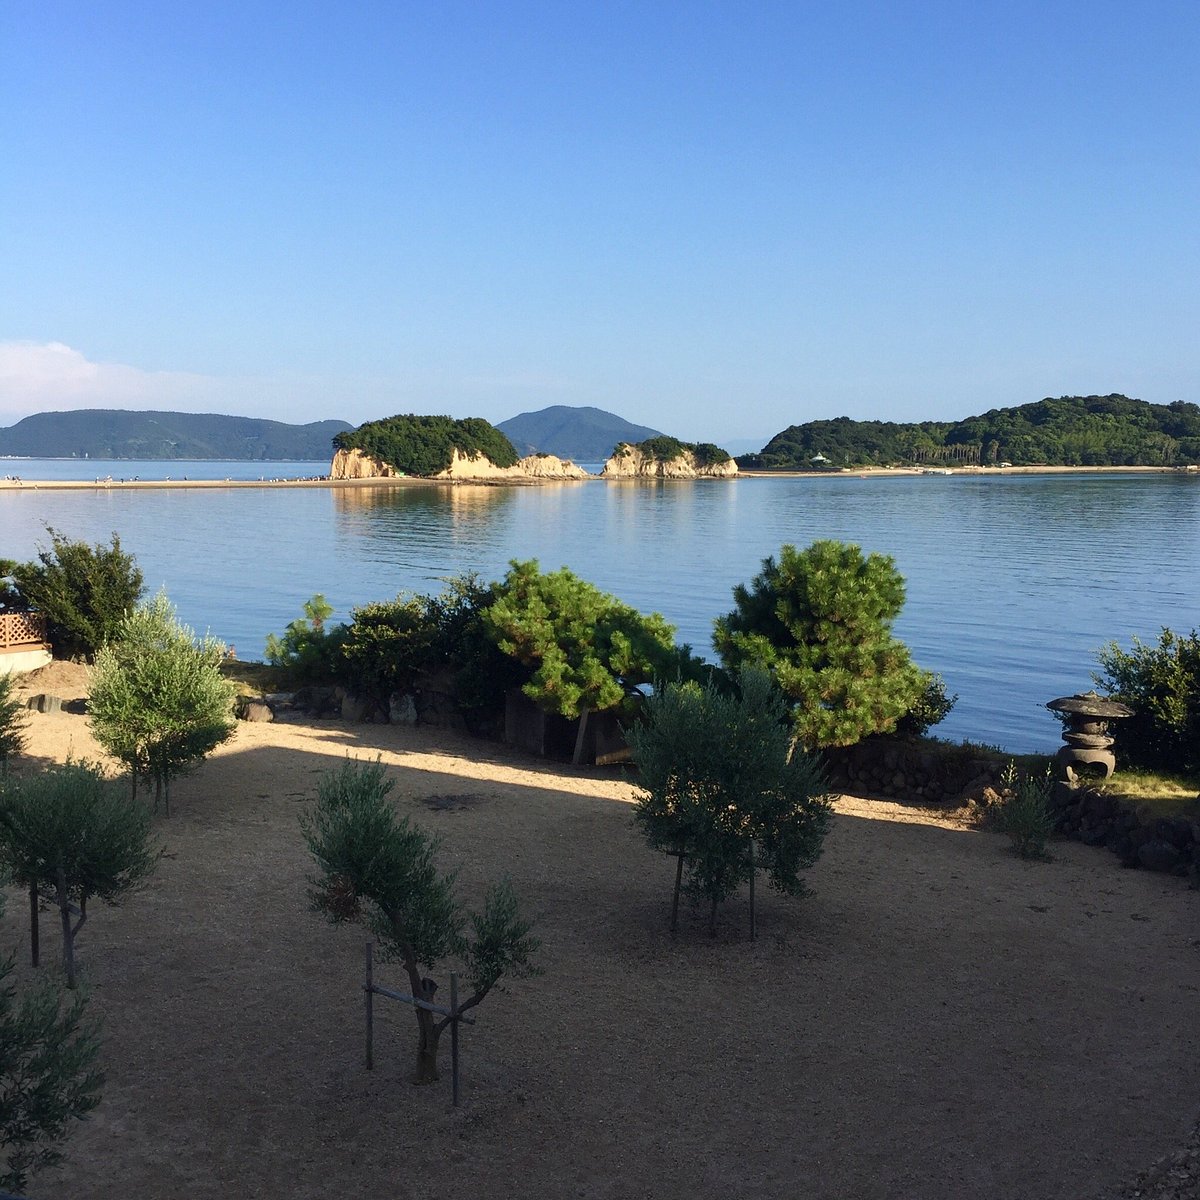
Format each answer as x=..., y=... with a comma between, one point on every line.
x=628, y=462
x=536, y=466
x=354, y=464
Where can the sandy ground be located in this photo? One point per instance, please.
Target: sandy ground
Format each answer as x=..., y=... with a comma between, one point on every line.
x=938, y=1019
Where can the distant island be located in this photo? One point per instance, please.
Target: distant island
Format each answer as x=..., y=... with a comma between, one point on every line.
x=105, y=433
x=1072, y=431
x=583, y=434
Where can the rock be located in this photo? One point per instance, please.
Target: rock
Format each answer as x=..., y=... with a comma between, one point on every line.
x=356, y=708
x=44, y=704
x=1159, y=856
x=403, y=709
x=534, y=466
x=319, y=701
x=252, y=708
x=354, y=464
x=628, y=462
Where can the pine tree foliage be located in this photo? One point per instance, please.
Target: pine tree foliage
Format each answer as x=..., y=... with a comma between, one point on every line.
x=820, y=620
x=586, y=648
x=379, y=868
x=717, y=773
x=158, y=700
x=83, y=591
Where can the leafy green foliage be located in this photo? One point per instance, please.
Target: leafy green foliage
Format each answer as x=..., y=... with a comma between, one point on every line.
x=666, y=449
x=820, y=621
x=381, y=869
x=69, y=833
x=585, y=648
x=1161, y=683
x=12, y=723
x=159, y=701
x=1069, y=431
x=48, y=1075
x=422, y=445
x=931, y=707
x=716, y=770
x=387, y=644
x=308, y=651
x=1024, y=811
x=83, y=591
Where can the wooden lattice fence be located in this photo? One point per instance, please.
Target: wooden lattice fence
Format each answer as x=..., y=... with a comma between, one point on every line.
x=22, y=630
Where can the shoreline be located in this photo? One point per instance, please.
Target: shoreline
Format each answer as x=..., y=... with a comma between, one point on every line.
x=17, y=484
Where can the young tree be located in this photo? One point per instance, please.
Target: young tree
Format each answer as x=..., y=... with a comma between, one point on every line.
x=379, y=868
x=820, y=620
x=158, y=700
x=308, y=651
x=722, y=789
x=48, y=1075
x=71, y=835
x=83, y=591
x=12, y=721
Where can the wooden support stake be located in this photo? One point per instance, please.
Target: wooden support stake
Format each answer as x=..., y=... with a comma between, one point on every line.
x=752, y=889
x=33, y=922
x=577, y=758
x=454, y=1033
x=369, y=989
x=675, y=896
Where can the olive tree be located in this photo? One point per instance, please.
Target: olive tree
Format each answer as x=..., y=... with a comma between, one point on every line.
x=48, y=1075
x=12, y=721
x=158, y=701
x=820, y=620
x=380, y=868
x=69, y=834
x=722, y=788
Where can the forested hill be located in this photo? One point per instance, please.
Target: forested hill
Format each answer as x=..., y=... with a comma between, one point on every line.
x=582, y=434
x=1085, y=431
x=117, y=433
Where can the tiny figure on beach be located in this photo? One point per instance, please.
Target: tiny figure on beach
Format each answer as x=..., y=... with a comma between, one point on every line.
x=231, y=653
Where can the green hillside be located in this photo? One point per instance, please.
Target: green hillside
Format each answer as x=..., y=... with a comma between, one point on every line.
x=1097, y=431
x=106, y=433
x=582, y=434
x=418, y=445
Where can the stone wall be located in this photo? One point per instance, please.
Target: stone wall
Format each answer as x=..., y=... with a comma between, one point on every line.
x=910, y=771
x=1132, y=832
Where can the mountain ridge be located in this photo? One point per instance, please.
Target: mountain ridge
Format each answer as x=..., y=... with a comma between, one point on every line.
x=583, y=433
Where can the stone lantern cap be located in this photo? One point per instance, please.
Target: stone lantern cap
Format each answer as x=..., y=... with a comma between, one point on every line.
x=1089, y=704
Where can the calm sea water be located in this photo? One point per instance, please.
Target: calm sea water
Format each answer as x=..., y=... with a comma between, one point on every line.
x=1013, y=582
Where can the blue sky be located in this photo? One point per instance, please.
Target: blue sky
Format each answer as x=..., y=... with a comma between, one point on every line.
x=717, y=219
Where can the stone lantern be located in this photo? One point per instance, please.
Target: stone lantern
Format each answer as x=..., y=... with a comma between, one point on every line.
x=1088, y=742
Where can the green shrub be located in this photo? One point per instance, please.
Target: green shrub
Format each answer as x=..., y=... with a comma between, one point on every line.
x=584, y=648
x=717, y=774
x=308, y=651
x=83, y=591
x=820, y=620
x=12, y=723
x=931, y=708
x=1025, y=812
x=387, y=644
x=1161, y=683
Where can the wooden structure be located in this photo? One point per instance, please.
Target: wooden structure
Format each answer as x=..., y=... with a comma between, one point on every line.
x=24, y=644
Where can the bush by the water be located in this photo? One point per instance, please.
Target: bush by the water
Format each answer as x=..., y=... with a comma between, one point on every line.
x=820, y=620
x=1161, y=683
x=83, y=591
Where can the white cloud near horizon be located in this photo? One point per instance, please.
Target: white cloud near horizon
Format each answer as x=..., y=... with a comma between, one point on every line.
x=52, y=376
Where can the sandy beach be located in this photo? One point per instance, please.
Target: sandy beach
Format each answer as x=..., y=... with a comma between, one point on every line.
x=937, y=1019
